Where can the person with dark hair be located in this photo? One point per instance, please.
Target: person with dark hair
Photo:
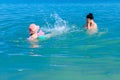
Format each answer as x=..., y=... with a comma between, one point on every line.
x=91, y=26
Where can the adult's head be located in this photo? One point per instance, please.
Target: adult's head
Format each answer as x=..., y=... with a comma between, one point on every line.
x=90, y=17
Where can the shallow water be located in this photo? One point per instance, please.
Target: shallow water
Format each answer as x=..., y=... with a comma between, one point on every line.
x=71, y=54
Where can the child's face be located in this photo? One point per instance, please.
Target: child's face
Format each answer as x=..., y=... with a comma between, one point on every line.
x=31, y=32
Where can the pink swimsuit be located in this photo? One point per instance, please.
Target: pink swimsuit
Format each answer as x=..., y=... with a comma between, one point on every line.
x=40, y=33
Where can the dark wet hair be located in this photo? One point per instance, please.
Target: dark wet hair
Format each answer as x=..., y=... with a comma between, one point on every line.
x=90, y=16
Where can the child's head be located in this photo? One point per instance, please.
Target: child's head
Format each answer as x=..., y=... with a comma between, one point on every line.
x=33, y=28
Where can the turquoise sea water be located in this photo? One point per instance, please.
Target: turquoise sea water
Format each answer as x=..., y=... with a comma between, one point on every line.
x=70, y=55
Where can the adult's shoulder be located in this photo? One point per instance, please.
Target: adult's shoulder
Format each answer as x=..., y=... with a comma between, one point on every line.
x=95, y=24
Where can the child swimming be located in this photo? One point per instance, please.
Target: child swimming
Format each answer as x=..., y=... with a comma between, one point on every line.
x=91, y=26
x=35, y=32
